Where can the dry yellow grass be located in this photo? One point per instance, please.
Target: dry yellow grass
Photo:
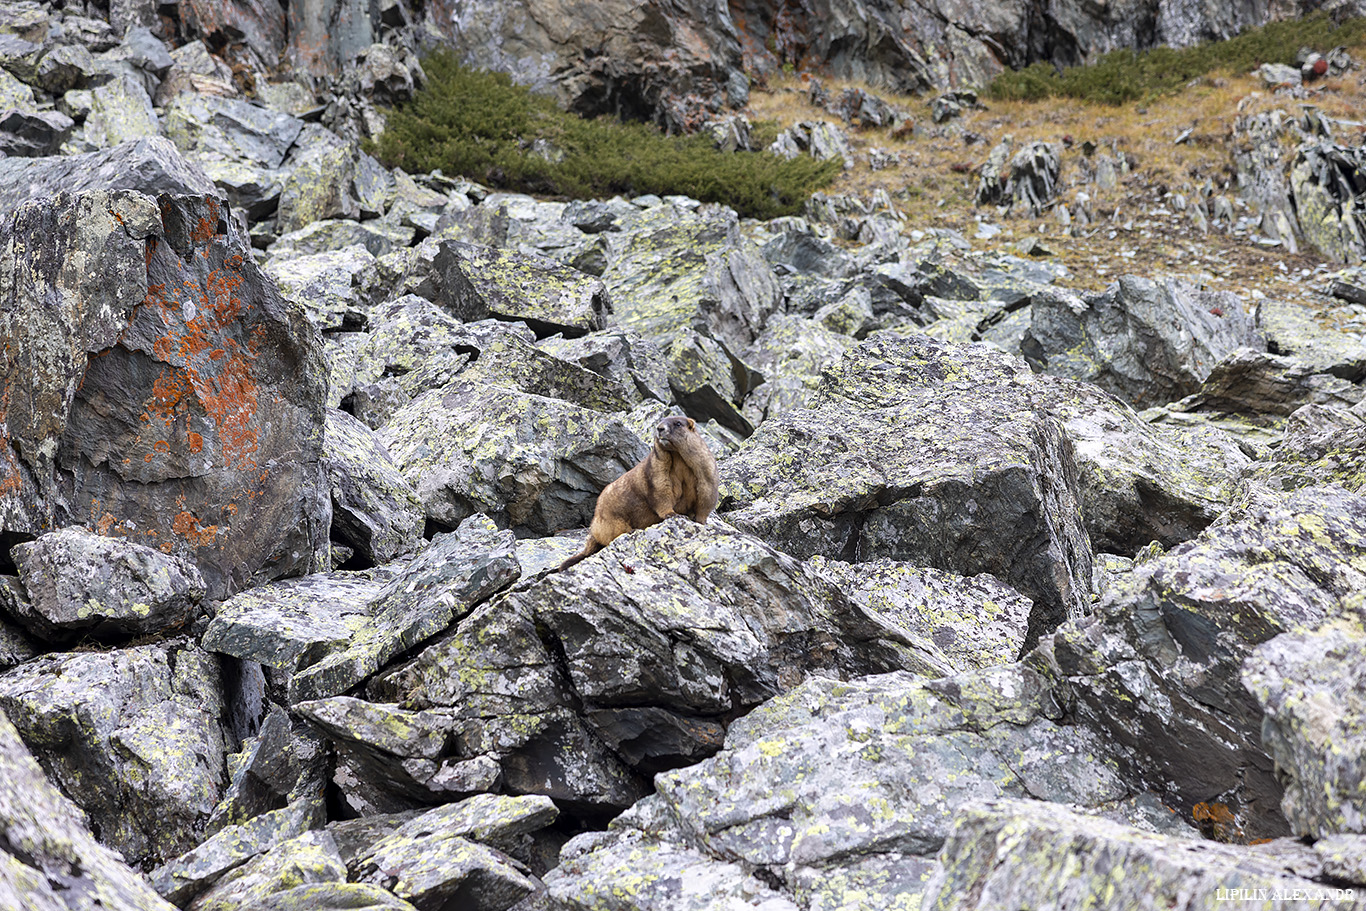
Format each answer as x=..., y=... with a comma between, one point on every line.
x=936, y=181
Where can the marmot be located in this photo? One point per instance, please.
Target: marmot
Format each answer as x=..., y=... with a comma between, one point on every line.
x=676, y=477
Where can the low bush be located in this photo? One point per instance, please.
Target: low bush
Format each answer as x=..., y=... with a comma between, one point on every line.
x=1123, y=76
x=482, y=126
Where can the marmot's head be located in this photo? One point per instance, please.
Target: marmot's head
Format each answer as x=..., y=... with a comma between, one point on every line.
x=671, y=431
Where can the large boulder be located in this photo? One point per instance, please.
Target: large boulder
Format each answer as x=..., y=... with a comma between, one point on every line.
x=185, y=401
x=135, y=737
x=578, y=683
x=1156, y=667
x=928, y=453
x=1312, y=687
x=152, y=166
x=49, y=859
x=475, y=282
x=1146, y=341
x=839, y=794
x=77, y=582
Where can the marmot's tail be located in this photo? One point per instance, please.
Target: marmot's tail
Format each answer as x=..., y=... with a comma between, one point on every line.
x=590, y=547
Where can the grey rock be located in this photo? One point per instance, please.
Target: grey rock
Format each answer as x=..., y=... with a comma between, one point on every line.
x=195, y=69
x=818, y=138
x=134, y=736
x=1260, y=385
x=621, y=58
x=530, y=462
x=964, y=623
x=280, y=623
x=634, y=364
x=332, y=234
x=374, y=509
x=321, y=182
x=1295, y=331
x=655, y=874
x=32, y=135
x=512, y=363
x=837, y=480
x=501, y=689
x=1311, y=688
x=169, y=320
x=442, y=584
x=670, y=268
x=78, y=582
x=335, y=289
x=444, y=855
x=1156, y=667
x=121, y=112
x=325, y=36
x=307, y=859
x=1326, y=182
x=792, y=353
x=475, y=282
x=1143, y=482
x=1321, y=445
x=231, y=128
x=51, y=861
x=1279, y=75
x=1145, y=341
x=284, y=765
x=258, y=24
x=66, y=67
x=1014, y=853
x=195, y=871
x=152, y=166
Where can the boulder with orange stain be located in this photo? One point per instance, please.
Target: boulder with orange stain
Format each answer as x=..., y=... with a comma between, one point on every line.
x=155, y=385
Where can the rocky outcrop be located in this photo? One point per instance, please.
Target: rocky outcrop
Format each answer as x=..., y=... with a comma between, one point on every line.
x=51, y=859
x=1156, y=667
x=887, y=460
x=185, y=401
x=1147, y=342
x=672, y=63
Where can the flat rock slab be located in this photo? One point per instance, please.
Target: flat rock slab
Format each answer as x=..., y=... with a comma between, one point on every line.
x=78, y=582
x=186, y=408
x=442, y=584
x=1025, y=854
x=965, y=623
x=279, y=623
x=926, y=453
x=135, y=736
x=151, y=166
x=49, y=855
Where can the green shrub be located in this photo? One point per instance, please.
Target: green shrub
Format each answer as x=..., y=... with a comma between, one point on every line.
x=1124, y=75
x=480, y=125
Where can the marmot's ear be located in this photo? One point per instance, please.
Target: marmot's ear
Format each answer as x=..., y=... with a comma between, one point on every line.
x=692, y=425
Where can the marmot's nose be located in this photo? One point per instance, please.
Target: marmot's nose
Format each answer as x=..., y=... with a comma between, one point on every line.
x=660, y=429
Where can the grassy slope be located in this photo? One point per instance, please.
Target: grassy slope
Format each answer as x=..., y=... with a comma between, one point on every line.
x=935, y=183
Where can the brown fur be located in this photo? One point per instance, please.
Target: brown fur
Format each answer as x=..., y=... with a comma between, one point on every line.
x=676, y=477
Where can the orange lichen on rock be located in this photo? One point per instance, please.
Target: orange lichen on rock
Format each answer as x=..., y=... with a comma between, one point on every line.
x=188, y=527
